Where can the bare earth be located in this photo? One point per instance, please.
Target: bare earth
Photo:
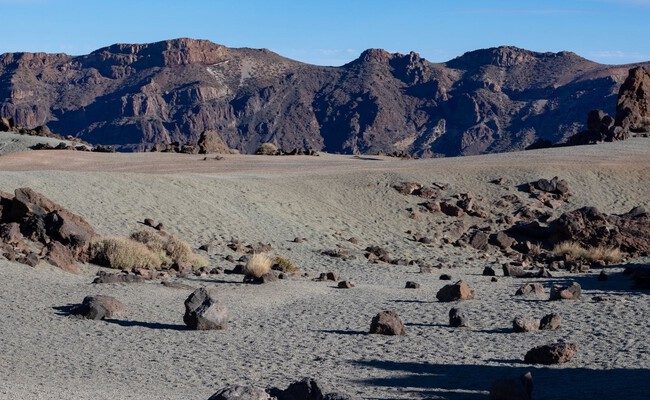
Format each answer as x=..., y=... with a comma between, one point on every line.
x=294, y=328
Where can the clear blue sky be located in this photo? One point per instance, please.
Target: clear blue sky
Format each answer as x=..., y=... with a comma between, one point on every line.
x=333, y=32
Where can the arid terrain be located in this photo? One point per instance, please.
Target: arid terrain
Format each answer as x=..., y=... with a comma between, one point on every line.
x=282, y=331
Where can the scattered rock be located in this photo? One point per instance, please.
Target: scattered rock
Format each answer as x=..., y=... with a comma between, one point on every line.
x=450, y=209
x=479, y=240
x=513, y=389
x=412, y=285
x=570, y=292
x=99, y=307
x=489, y=271
x=535, y=288
x=241, y=393
x=104, y=277
x=457, y=318
x=458, y=291
x=304, y=389
x=556, y=353
x=550, y=322
x=203, y=311
x=445, y=277
x=501, y=240
x=387, y=323
x=345, y=285
x=523, y=324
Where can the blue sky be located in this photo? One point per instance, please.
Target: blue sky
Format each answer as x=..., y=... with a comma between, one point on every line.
x=333, y=32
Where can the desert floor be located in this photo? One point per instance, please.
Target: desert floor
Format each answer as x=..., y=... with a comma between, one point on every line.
x=280, y=332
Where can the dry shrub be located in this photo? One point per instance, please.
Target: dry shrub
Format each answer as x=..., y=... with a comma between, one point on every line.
x=577, y=252
x=285, y=265
x=258, y=266
x=171, y=248
x=267, y=149
x=181, y=253
x=122, y=253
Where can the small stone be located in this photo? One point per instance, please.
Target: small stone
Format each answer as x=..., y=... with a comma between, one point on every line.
x=345, y=285
x=412, y=285
x=445, y=277
x=523, y=324
x=556, y=353
x=550, y=322
x=457, y=318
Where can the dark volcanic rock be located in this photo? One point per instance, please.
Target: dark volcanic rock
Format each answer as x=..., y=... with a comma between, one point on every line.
x=566, y=292
x=135, y=96
x=458, y=291
x=240, y=393
x=556, y=353
x=387, y=323
x=203, y=311
x=99, y=307
x=457, y=318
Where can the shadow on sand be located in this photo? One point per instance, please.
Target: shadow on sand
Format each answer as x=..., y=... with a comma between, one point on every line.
x=466, y=382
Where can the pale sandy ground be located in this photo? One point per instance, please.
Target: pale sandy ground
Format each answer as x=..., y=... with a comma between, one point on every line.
x=283, y=331
x=13, y=142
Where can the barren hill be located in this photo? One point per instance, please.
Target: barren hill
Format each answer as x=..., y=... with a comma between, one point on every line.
x=134, y=95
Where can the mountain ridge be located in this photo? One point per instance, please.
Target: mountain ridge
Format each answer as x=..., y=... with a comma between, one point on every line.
x=134, y=95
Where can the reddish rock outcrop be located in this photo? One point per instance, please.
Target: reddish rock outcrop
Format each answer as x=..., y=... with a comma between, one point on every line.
x=633, y=108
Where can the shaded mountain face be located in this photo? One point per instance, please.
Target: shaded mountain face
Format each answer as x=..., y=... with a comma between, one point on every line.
x=135, y=95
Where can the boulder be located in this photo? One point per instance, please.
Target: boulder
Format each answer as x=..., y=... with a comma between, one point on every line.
x=387, y=323
x=556, y=353
x=457, y=318
x=566, y=292
x=10, y=233
x=407, y=188
x=513, y=389
x=345, y=285
x=99, y=307
x=533, y=288
x=62, y=257
x=69, y=229
x=457, y=291
x=211, y=142
x=633, y=108
x=550, y=322
x=203, y=311
x=241, y=393
x=450, y=209
x=489, y=271
x=501, y=240
x=479, y=240
x=524, y=324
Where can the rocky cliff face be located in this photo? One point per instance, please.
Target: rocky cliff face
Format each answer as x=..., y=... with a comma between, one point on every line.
x=136, y=95
x=633, y=108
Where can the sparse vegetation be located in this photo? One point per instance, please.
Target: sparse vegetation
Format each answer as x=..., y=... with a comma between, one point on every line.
x=285, y=265
x=578, y=252
x=123, y=253
x=170, y=248
x=267, y=149
x=258, y=265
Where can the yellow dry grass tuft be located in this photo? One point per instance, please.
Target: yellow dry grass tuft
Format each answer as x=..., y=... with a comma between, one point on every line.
x=171, y=248
x=285, y=265
x=578, y=252
x=258, y=266
x=123, y=253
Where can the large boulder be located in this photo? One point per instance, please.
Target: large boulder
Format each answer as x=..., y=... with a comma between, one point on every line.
x=99, y=307
x=633, y=108
x=457, y=291
x=556, y=353
x=387, y=323
x=513, y=389
x=237, y=392
x=203, y=311
x=211, y=142
x=524, y=324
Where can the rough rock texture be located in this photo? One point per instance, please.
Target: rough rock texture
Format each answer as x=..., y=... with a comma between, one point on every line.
x=566, y=292
x=633, y=108
x=550, y=322
x=457, y=318
x=458, y=291
x=304, y=389
x=203, y=311
x=524, y=324
x=99, y=307
x=387, y=323
x=534, y=288
x=240, y=393
x=556, y=353
x=136, y=95
x=513, y=389
x=629, y=232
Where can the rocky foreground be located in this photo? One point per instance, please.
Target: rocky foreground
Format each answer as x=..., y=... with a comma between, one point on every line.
x=511, y=276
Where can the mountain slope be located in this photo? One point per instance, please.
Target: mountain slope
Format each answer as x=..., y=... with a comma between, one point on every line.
x=134, y=95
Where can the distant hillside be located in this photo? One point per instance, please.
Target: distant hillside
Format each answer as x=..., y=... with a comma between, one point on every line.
x=135, y=95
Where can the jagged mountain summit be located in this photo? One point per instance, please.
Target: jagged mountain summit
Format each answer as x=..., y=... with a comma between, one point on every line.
x=137, y=95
